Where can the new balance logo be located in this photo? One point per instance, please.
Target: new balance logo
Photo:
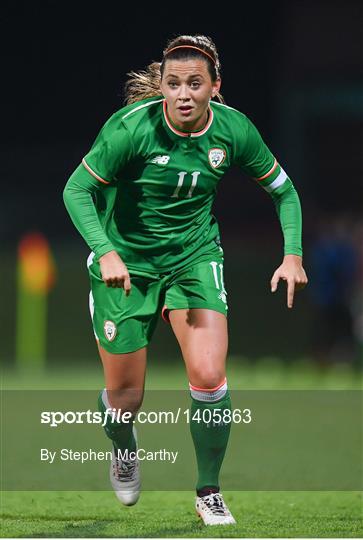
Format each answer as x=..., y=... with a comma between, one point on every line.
x=161, y=160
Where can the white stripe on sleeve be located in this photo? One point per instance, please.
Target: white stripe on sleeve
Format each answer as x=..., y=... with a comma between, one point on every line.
x=279, y=180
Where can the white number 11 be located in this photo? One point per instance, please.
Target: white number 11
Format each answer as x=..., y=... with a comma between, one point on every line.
x=214, y=265
x=181, y=175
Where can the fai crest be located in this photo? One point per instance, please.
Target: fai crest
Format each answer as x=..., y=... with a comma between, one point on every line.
x=216, y=157
x=110, y=330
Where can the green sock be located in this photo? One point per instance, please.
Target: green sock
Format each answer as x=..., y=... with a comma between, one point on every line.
x=121, y=434
x=210, y=439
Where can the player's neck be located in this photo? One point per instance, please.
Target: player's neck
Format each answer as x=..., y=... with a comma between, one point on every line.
x=191, y=127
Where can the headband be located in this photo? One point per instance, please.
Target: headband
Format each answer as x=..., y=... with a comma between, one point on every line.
x=191, y=47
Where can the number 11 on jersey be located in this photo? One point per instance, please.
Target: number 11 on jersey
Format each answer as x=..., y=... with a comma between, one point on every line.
x=181, y=175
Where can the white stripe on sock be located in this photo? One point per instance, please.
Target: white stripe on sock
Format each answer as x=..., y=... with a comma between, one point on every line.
x=209, y=397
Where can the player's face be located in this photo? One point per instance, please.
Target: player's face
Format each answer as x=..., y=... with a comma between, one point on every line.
x=187, y=87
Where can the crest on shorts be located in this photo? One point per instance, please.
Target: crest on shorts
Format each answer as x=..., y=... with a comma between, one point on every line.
x=216, y=157
x=110, y=330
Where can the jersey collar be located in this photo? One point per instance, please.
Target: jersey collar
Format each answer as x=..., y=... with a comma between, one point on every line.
x=172, y=128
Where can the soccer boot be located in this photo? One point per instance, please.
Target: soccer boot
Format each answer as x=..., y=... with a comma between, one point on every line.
x=125, y=478
x=213, y=510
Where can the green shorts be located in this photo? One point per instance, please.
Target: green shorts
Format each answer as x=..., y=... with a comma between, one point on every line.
x=126, y=323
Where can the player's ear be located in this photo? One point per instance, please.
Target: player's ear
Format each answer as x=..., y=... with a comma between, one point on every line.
x=216, y=87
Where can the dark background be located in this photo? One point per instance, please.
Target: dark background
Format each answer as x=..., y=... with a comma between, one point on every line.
x=294, y=67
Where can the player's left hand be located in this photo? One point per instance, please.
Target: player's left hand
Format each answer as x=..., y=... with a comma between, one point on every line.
x=291, y=271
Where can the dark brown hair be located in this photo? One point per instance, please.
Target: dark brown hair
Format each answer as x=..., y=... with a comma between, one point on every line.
x=145, y=84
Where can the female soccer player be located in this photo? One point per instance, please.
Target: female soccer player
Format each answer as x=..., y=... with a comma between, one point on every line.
x=141, y=199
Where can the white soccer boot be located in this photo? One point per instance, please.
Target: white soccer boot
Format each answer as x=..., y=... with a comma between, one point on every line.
x=125, y=478
x=213, y=510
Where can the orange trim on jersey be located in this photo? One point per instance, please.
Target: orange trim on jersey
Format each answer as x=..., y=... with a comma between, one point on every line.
x=208, y=389
x=191, y=133
x=93, y=173
x=269, y=172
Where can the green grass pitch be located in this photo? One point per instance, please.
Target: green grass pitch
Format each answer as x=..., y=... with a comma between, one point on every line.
x=171, y=514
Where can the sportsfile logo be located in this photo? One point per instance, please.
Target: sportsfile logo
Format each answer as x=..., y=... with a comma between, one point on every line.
x=161, y=160
x=112, y=415
x=55, y=418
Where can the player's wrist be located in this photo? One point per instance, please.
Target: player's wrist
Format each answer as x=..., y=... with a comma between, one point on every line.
x=292, y=257
x=108, y=254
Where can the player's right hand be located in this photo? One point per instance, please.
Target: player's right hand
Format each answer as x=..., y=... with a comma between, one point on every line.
x=114, y=271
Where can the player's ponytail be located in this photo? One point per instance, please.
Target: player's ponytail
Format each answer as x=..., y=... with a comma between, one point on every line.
x=145, y=84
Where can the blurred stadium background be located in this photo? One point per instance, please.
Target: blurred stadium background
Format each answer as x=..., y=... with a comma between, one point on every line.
x=295, y=68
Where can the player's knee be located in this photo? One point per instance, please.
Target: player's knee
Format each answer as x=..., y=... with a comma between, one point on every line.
x=210, y=390
x=207, y=378
x=126, y=399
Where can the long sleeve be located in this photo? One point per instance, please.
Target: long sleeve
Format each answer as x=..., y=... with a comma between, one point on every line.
x=111, y=151
x=256, y=160
x=77, y=196
x=288, y=209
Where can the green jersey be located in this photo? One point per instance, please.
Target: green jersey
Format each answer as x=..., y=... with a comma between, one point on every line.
x=146, y=189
